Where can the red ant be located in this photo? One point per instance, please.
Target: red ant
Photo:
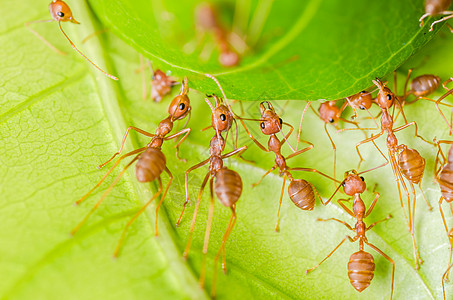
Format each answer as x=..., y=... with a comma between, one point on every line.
x=151, y=161
x=436, y=8
x=301, y=192
x=226, y=183
x=161, y=83
x=329, y=113
x=361, y=264
x=207, y=20
x=407, y=163
x=61, y=12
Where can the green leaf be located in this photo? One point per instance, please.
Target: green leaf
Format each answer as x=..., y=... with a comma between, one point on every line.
x=298, y=49
x=60, y=118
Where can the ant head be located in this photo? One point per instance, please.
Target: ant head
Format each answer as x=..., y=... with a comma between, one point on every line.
x=353, y=183
x=222, y=118
x=159, y=75
x=270, y=123
x=328, y=112
x=363, y=100
x=385, y=96
x=61, y=12
x=180, y=105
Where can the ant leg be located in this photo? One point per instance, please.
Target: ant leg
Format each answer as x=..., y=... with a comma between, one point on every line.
x=346, y=209
x=339, y=221
x=186, y=185
x=286, y=137
x=432, y=100
x=446, y=229
x=194, y=218
x=145, y=133
x=441, y=20
x=300, y=151
x=410, y=220
x=314, y=171
x=317, y=193
x=416, y=131
x=300, y=124
x=46, y=42
x=186, y=132
x=277, y=229
x=265, y=174
x=334, y=151
x=370, y=209
x=162, y=199
x=104, y=195
x=238, y=151
x=222, y=249
x=380, y=166
x=424, y=197
x=364, y=142
x=329, y=255
x=252, y=138
x=380, y=221
x=123, y=234
x=207, y=234
x=387, y=258
x=230, y=227
x=438, y=109
x=108, y=172
x=445, y=278
x=75, y=48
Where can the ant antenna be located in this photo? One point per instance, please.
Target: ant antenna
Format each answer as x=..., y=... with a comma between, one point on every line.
x=75, y=48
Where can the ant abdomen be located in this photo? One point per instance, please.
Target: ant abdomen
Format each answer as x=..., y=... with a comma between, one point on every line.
x=445, y=182
x=150, y=165
x=424, y=85
x=361, y=270
x=302, y=194
x=412, y=165
x=228, y=186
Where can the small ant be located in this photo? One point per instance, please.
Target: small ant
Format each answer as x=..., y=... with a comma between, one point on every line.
x=408, y=163
x=207, y=20
x=161, y=83
x=443, y=174
x=436, y=8
x=301, y=192
x=151, y=161
x=61, y=12
x=329, y=113
x=361, y=264
x=226, y=183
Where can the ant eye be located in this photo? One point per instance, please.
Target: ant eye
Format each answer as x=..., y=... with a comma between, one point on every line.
x=343, y=184
x=262, y=125
x=363, y=92
x=361, y=177
x=362, y=107
x=222, y=117
x=281, y=121
x=331, y=120
x=389, y=97
x=60, y=14
x=182, y=106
